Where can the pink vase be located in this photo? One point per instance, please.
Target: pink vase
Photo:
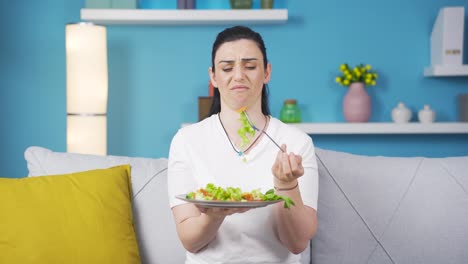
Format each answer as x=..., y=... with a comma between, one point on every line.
x=357, y=103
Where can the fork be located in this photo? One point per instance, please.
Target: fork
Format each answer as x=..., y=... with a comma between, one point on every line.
x=260, y=130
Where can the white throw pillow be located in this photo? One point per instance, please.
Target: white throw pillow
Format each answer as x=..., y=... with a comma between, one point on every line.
x=157, y=237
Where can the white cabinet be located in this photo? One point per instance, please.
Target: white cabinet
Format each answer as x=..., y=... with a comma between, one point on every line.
x=447, y=44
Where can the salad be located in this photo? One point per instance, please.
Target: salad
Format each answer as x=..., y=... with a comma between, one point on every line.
x=246, y=128
x=231, y=194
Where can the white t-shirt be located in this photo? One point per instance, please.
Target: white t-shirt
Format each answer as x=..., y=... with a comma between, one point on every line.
x=201, y=154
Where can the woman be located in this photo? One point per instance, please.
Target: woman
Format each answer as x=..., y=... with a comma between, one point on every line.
x=212, y=151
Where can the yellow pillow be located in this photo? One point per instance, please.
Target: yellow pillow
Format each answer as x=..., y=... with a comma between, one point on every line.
x=83, y=217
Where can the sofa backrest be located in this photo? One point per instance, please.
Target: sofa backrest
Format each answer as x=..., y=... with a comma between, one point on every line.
x=391, y=210
x=155, y=228
x=154, y=225
x=370, y=210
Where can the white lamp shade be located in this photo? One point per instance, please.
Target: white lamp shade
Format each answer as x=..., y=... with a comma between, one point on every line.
x=87, y=134
x=87, y=81
x=87, y=88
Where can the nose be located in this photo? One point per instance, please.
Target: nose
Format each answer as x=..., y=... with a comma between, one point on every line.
x=238, y=72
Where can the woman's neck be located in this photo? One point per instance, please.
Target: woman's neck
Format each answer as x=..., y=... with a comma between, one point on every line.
x=230, y=119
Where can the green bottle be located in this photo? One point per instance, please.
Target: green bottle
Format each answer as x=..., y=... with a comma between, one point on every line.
x=290, y=112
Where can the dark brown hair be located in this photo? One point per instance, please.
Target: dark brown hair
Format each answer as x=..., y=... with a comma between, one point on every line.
x=233, y=34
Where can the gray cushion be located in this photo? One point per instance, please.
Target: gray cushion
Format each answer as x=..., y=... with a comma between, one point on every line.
x=391, y=210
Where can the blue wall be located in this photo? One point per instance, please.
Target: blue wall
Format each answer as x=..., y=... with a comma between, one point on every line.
x=156, y=74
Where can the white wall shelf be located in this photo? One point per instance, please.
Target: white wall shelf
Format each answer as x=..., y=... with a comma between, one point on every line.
x=183, y=17
x=380, y=128
x=383, y=128
x=446, y=70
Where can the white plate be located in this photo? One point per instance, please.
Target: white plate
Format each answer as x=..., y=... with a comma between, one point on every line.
x=226, y=204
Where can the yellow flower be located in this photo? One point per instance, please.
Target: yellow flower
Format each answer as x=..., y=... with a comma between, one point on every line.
x=359, y=73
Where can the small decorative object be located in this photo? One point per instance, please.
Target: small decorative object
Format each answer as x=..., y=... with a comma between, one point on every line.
x=205, y=102
x=117, y=4
x=463, y=107
x=98, y=3
x=185, y=4
x=401, y=114
x=267, y=4
x=124, y=4
x=357, y=103
x=204, y=106
x=181, y=4
x=426, y=115
x=190, y=4
x=241, y=4
x=290, y=112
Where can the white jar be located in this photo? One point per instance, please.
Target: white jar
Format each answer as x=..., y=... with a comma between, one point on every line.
x=401, y=113
x=426, y=115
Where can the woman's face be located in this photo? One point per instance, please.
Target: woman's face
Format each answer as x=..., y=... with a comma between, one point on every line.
x=240, y=74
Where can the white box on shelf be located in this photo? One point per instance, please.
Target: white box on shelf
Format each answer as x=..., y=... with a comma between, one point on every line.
x=447, y=37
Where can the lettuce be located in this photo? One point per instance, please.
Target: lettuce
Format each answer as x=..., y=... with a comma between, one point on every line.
x=231, y=194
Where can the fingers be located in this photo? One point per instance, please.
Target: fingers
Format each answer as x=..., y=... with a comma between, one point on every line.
x=287, y=167
x=221, y=212
x=284, y=148
x=295, y=162
x=202, y=209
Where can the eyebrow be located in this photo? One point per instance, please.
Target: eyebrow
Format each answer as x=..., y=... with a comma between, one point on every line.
x=232, y=61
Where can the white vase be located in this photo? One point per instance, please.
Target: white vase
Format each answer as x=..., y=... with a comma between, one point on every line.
x=401, y=113
x=426, y=115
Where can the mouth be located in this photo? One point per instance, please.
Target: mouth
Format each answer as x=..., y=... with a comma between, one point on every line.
x=239, y=87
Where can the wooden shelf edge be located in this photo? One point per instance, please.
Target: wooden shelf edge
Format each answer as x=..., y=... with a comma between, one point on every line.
x=183, y=17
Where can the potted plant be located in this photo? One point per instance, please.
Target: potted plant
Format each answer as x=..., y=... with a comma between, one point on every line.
x=267, y=4
x=241, y=4
x=356, y=103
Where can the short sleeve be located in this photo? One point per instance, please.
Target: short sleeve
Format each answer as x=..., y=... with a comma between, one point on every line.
x=180, y=177
x=308, y=183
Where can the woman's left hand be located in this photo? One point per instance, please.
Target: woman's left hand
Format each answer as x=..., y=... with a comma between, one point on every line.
x=287, y=167
x=221, y=212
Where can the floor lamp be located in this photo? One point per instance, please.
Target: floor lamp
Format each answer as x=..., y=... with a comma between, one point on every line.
x=87, y=88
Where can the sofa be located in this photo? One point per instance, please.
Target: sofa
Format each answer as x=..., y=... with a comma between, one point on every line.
x=371, y=209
